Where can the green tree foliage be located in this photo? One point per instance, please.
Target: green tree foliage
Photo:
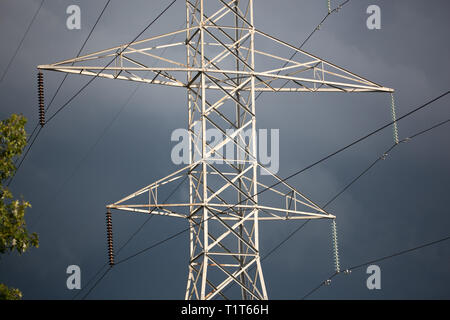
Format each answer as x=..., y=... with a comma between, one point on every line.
x=9, y=293
x=13, y=233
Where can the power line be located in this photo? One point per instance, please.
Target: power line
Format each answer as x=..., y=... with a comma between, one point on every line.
x=207, y=219
x=174, y=236
x=92, y=279
x=105, y=130
x=129, y=240
x=57, y=91
x=122, y=50
x=335, y=10
x=359, y=176
x=148, y=219
x=399, y=253
x=357, y=141
x=97, y=282
x=23, y=158
x=284, y=65
x=326, y=282
x=319, y=286
x=79, y=52
x=91, y=149
x=21, y=41
x=153, y=246
x=383, y=157
x=429, y=129
x=179, y=233
x=385, y=154
x=278, y=72
x=245, y=199
x=78, y=92
x=294, y=174
x=345, y=148
x=84, y=158
x=356, y=179
x=92, y=79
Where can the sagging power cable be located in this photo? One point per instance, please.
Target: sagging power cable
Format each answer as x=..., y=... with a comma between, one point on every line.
x=348, y=270
x=346, y=187
x=294, y=174
x=87, y=84
x=42, y=111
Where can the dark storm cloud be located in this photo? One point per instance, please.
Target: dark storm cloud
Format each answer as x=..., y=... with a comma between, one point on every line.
x=399, y=204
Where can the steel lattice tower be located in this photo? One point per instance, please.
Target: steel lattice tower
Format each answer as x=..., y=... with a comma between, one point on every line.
x=222, y=71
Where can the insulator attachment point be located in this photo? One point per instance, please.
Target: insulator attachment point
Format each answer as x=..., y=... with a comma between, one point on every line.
x=406, y=140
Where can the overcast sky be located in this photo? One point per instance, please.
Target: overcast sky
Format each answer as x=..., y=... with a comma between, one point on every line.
x=69, y=178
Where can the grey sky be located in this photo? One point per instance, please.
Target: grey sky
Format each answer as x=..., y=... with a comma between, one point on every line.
x=401, y=203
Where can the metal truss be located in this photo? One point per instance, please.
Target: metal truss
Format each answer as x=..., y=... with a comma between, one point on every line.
x=221, y=70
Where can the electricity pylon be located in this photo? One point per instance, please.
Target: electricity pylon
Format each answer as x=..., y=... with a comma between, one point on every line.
x=221, y=70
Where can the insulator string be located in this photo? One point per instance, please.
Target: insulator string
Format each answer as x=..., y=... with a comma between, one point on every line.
x=41, y=98
x=109, y=234
x=335, y=246
x=394, y=119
